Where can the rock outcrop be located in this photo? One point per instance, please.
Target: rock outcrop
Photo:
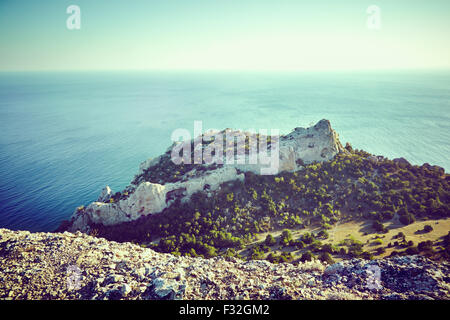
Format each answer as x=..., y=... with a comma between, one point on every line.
x=149, y=196
x=78, y=266
x=105, y=195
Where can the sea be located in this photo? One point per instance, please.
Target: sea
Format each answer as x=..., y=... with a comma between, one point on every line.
x=65, y=135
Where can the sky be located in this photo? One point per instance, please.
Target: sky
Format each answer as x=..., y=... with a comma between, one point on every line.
x=224, y=35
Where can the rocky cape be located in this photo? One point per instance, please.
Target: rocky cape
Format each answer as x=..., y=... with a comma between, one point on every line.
x=159, y=182
x=78, y=266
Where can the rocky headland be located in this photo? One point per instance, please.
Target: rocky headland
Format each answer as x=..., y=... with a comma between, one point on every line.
x=188, y=212
x=159, y=182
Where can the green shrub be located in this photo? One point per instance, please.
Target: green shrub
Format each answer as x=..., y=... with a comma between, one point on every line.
x=327, y=248
x=412, y=250
x=323, y=234
x=270, y=240
x=425, y=246
x=307, y=256
x=326, y=257
x=407, y=218
x=366, y=255
x=307, y=238
x=286, y=237
x=379, y=227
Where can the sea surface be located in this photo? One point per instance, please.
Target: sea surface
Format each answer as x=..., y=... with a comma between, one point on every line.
x=64, y=136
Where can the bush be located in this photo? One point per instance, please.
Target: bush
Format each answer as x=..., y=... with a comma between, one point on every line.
x=283, y=257
x=326, y=257
x=399, y=235
x=366, y=255
x=327, y=248
x=307, y=238
x=427, y=228
x=286, y=237
x=412, y=250
x=407, y=218
x=425, y=246
x=270, y=240
x=323, y=234
x=272, y=258
x=379, y=227
x=315, y=246
x=300, y=244
x=447, y=239
x=307, y=256
x=394, y=253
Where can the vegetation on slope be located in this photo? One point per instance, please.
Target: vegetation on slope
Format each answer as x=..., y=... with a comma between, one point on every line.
x=353, y=184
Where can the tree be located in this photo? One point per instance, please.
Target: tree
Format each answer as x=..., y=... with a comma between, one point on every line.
x=286, y=237
x=406, y=219
x=348, y=147
x=307, y=238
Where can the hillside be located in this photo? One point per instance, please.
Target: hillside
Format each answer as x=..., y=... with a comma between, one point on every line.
x=388, y=207
x=78, y=266
x=331, y=223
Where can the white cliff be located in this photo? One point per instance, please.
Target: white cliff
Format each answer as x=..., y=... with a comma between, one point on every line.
x=302, y=146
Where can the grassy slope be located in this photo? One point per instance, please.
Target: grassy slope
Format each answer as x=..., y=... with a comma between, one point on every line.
x=361, y=230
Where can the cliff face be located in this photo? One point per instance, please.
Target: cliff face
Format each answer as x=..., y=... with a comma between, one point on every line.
x=77, y=266
x=152, y=190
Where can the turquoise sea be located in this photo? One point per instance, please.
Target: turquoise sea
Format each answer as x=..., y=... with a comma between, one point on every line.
x=64, y=136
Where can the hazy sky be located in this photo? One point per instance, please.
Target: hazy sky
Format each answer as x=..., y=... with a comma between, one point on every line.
x=224, y=34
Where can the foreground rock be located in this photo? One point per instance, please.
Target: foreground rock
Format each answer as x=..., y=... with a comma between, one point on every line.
x=159, y=182
x=77, y=266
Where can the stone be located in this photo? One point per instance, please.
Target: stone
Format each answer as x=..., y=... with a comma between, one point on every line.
x=113, y=278
x=125, y=289
x=166, y=289
x=105, y=194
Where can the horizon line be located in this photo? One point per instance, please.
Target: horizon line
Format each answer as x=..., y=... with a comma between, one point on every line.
x=228, y=70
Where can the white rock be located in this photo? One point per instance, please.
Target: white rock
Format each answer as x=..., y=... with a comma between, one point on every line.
x=302, y=146
x=125, y=289
x=105, y=195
